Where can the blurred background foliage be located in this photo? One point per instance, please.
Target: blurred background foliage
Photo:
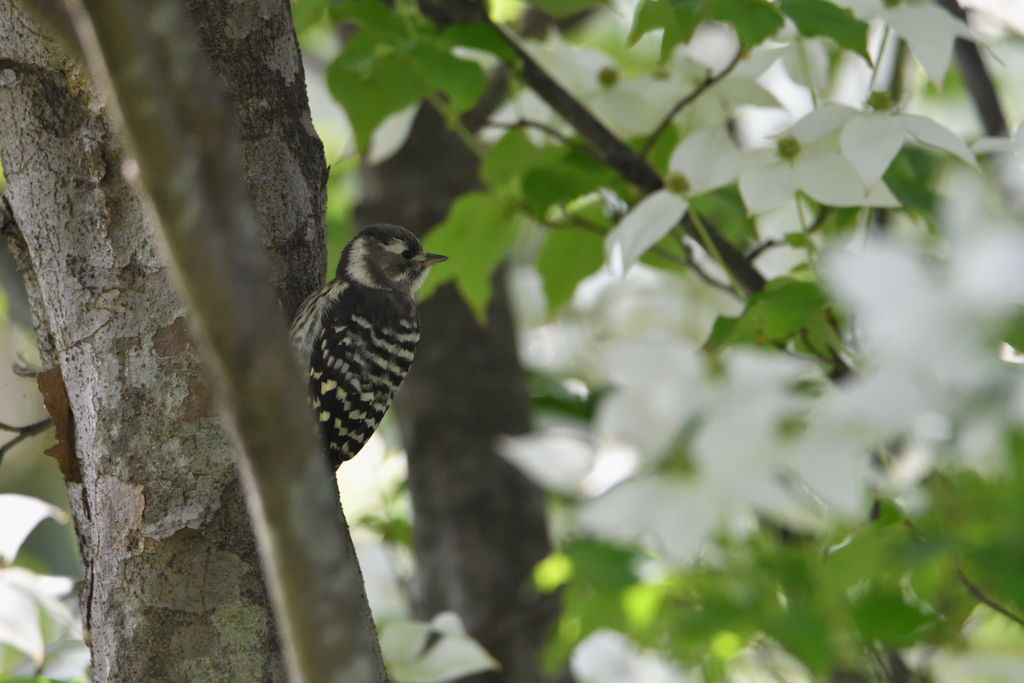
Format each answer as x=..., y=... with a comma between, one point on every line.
x=817, y=479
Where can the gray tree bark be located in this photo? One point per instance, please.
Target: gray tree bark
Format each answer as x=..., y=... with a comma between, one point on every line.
x=479, y=524
x=172, y=587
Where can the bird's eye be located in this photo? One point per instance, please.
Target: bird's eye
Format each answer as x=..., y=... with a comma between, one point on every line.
x=407, y=254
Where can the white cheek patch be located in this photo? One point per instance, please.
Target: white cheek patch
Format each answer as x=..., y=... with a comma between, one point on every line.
x=357, y=270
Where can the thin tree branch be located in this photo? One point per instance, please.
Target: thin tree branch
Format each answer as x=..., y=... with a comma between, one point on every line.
x=527, y=123
x=762, y=247
x=685, y=261
x=980, y=596
x=494, y=95
x=620, y=157
x=610, y=149
x=976, y=78
x=181, y=124
x=709, y=81
x=26, y=432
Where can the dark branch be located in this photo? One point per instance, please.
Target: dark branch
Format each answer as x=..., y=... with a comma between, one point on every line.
x=610, y=149
x=976, y=78
x=620, y=157
x=526, y=123
x=494, y=95
x=709, y=81
x=980, y=596
x=762, y=247
x=26, y=432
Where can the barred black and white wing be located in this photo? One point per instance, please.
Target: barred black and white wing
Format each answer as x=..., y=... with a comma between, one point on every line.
x=357, y=362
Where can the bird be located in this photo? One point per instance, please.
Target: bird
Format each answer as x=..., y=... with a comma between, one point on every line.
x=356, y=336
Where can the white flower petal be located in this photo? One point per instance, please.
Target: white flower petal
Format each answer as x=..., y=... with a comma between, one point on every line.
x=20, y=515
x=673, y=515
x=870, y=143
x=645, y=225
x=831, y=180
x=448, y=659
x=558, y=460
x=706, y=158
x=403, y=640
x=767, y=187
x=454, y=655
x=928, y=132
x=930, y=31
x=881, y=197
x=19, y=621
x=821, y=122
x=390, y=134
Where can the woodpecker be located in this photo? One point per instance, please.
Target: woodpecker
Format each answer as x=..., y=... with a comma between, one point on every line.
x=356, y=336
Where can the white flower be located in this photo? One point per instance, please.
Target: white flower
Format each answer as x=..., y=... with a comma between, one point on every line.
x=808, y=159
x=929, y=30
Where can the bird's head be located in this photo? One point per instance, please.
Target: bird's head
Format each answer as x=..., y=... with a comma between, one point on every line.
x=386, y=257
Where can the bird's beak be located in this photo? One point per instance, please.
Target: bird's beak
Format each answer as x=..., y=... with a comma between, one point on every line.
x=431, y=259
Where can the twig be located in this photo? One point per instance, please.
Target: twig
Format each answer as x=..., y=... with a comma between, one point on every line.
x=712, y=248
x=685, y=261
x=23, y=433
x=825, y=212
x=709, y=80
x=553, y=132
x=762, y=247
x=978, y=595
x=691, y=262
x=612, y=151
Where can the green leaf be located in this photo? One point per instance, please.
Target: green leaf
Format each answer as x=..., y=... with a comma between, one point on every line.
x=679, y=18
x=725, y=210
x=569, y=255
x=395, y=530
x=462, y=80
x=721, y=333
x=559, y=9
x=513, y=155
x=801, y=632
x=391, y=84
x=788, y=304
x=911, y=178
x=601, y=564
x=754, y=20
x=553, y=571
x=373, y=17
x=650, y=15
x=821, y=18
x=882, y=615
x=839, y=220
x=475, y=236
x=479, y=36
x=1012, y=329
x=573, y=176
x=772, y=316
x=306, y=13
x=549, y=395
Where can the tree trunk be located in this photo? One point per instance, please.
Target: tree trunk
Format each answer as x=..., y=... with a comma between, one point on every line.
x=172, y=585
x=479, y=524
